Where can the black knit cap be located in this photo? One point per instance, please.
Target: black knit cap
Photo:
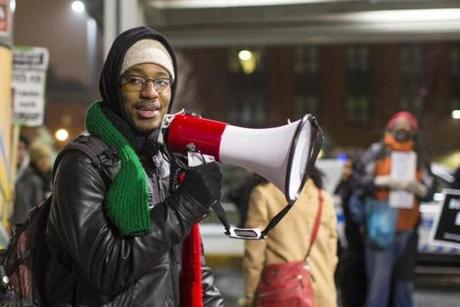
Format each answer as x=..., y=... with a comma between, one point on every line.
x=110, y=80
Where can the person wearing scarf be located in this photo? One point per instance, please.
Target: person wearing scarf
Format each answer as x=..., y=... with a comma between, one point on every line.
x=390, y=266
x=132, y=240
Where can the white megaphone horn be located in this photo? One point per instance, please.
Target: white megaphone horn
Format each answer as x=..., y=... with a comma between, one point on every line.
x=283, y=155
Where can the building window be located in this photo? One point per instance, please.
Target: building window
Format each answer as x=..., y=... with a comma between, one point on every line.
x=358, y=59
x=454, y=77
x=412, y=63
x=306, y=69
x=357, y=102
x=247, y=98
x=306, y=104
x=357, y=109
x=454, y=60
x=306, y=59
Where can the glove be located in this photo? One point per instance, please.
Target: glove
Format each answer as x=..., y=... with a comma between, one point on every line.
x=203, y=183
x=416, y=188
x=389, y=183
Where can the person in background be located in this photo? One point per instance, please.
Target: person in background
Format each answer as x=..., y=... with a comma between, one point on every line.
x=22, y=157
x=34, y=183
x=352, y=276
x=128, y=235
x=390, y=268
x=289, y=240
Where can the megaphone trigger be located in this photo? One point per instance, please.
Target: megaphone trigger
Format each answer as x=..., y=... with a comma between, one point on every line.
x=197, y=158
x=232, y=232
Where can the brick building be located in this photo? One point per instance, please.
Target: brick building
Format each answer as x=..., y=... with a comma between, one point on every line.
x=351, y=89
x=350, y=63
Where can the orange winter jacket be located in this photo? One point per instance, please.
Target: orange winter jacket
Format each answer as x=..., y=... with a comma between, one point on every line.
x=408, y=219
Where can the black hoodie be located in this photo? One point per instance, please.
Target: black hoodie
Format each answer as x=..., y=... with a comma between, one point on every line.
x=109, y=87
x=109, y=82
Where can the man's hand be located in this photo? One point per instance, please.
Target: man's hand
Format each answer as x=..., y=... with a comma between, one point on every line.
x=416, y=188
x=389, y=183
x=204, y=183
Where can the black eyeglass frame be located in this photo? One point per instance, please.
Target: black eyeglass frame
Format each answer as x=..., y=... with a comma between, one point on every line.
x=146, y=81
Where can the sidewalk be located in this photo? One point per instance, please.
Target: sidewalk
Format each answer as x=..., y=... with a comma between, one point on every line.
x=230, y=283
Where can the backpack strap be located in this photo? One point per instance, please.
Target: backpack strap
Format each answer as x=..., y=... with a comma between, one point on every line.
x=106, y=160
x=102, y=156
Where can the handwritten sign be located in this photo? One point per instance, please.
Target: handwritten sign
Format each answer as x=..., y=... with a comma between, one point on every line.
x=403, y=167
x=29, y=76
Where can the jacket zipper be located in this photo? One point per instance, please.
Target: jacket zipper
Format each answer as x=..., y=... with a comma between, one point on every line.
x=157, y=179
x=174, y=274
x=172, y=252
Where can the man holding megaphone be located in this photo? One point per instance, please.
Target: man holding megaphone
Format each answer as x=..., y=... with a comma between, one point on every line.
x=123, y=224
x=124, y=232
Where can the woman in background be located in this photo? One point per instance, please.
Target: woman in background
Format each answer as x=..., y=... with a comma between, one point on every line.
x=289, y=240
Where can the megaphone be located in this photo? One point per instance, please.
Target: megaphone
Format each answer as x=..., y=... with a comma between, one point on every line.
x=283, y=155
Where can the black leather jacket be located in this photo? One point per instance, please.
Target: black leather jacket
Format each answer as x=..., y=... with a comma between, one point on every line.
x=92, y=265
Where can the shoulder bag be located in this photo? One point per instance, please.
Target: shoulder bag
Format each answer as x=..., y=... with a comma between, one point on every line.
x=289, y=283
x=380, y=223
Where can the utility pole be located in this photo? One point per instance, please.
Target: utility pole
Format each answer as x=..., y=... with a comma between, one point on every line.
x=6, y=63
x=119, y=16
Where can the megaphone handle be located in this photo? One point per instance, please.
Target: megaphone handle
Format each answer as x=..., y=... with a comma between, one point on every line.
x=221, y=215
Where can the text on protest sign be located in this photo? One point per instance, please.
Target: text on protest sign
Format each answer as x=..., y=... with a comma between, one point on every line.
x=29, y=76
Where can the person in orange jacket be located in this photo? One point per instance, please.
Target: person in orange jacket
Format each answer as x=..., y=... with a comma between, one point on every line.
x=390, y=259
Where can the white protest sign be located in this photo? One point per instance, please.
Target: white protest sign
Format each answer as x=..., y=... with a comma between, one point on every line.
x=403, y=168
x=29, y=76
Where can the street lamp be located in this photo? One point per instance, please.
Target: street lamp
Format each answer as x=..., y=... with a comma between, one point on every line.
x=12, y=5
x=456, y=114
x=61, y=134
x=78, y=7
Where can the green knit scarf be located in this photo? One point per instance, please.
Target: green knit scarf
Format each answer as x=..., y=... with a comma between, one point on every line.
x=126, y=200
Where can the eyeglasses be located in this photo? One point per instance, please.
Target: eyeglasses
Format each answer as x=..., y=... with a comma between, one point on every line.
x=139, y=83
